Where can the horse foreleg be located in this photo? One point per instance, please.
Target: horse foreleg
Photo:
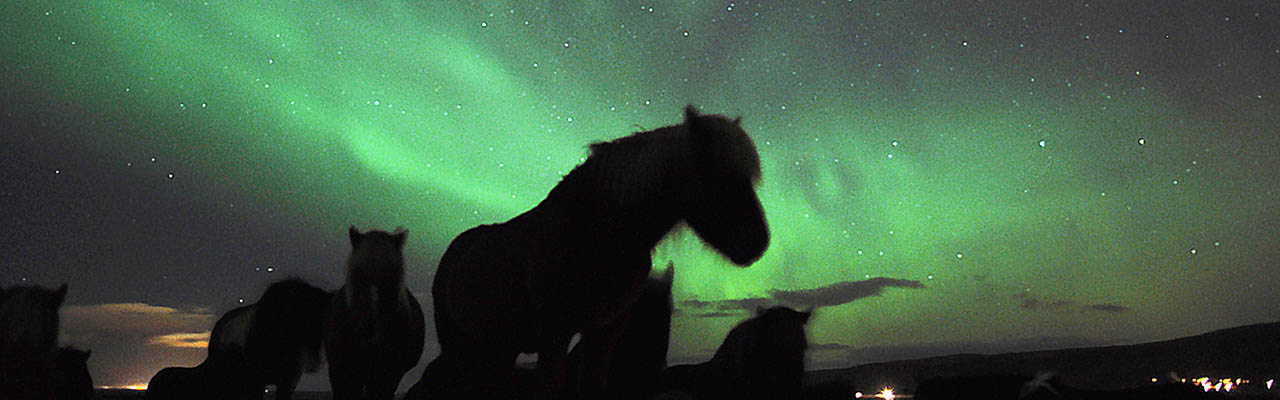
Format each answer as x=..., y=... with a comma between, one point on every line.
x=344, y=384
x=383, y=386
x=596, y=361
x=552, y=359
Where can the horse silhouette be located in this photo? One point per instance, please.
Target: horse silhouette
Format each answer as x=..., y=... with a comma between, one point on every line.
x=28, y=341
x=577, y=261
x=761, y=358
x=375, y=330
x=271, y=342
x=71, y=374
x=640, y=354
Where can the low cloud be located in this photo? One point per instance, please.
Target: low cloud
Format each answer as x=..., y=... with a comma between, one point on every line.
x=131, y=341
x=842, y=292
x=717, y=314
x=1029, y=302
x=136, y=321
x=1107, y=307
x=830, y=347
x=749, y=304
x=182, y=340
x=830, y=295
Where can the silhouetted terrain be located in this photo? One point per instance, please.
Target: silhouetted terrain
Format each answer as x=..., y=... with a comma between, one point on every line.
x=1251, y=351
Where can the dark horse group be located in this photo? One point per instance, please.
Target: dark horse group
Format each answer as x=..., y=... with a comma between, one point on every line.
x=371, y=330
x=577, y=264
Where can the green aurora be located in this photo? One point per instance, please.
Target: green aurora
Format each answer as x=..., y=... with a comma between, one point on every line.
x=1023, y=170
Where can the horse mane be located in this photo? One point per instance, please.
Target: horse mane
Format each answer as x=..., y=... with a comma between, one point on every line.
x=634, y=165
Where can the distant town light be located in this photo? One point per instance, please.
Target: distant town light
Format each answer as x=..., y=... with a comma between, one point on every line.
x=886, y=394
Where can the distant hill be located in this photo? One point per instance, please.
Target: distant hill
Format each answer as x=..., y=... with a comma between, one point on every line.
x=1251, y=351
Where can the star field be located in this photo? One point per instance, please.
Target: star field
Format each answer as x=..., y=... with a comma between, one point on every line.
x=1099, y=172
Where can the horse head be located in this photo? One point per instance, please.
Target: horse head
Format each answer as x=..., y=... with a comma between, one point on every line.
x=719, y=190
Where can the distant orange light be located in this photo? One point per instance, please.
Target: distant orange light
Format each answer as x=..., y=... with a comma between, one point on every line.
x=135, y=386
x=886, y=394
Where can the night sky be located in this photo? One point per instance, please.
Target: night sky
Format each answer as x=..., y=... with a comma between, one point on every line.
x=938, y=177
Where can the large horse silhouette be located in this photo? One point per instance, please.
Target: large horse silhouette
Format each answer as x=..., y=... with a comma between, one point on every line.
x=761, y=358
x=28, y=341
x=640, y=354
x=375, y=330
x=271, y=342
x=577, y=261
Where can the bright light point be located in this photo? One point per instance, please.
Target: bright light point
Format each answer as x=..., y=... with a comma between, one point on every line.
x=376, y=102
x=1193, y=251
x=170, y=175
x=1216, y=244
x=153, y=159
x=959, y=255
x=271, y=61
x=1042, y=143
x=886, y=394
x=1270, y=382
x=882, y=253
x=1142, y=141
x=271, y=269
x=857, y=395
x=240, y=300
x=894, y=143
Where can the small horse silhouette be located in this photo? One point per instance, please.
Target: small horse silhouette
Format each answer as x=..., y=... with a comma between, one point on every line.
x=71, y=374
x=577, y=261
x=761, y=358
x=28, y=341
x=271, y=342
x=640, y=354
x=375, y=330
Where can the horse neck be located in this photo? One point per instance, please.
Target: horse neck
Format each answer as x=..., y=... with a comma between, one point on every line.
x=577, y=208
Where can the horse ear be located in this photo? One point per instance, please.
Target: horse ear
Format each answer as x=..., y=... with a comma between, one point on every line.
x=690, y=113
x=355, y=235
x=60, y=295
x=400, y=236
x=804, y=315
